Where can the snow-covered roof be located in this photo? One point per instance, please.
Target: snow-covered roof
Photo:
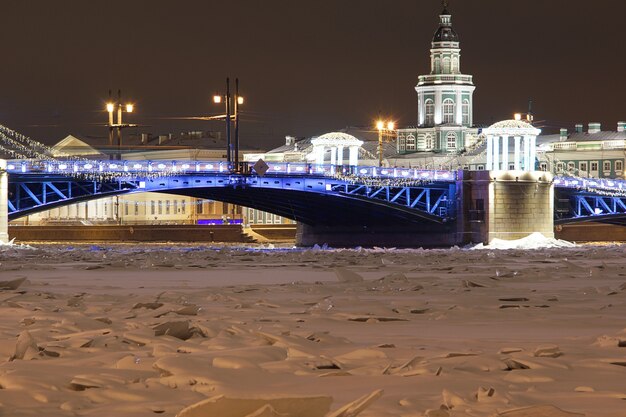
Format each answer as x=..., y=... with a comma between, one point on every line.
x=512, y=128
x=336, y=139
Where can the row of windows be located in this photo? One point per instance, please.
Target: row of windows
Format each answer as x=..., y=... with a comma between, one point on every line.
x=449, y=109
x=592, y=166
x=428, y=142
x=449, y=66
x=156, y=207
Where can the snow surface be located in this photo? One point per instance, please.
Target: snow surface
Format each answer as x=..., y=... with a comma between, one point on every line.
x=532, y=241
x=136, y=330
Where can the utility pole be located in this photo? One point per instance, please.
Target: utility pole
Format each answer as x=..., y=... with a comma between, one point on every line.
x=228, y=144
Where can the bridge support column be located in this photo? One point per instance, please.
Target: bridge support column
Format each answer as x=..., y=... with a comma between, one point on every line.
x=4, y=202
x=505, y=205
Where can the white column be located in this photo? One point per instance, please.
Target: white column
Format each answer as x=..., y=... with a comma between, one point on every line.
x=421, y=108
x=333, y=155
x=489, y=166
x=526, y=153
x=516, y=157
x=319, y=155
x=505, y=152
x=354, y=155
x=496, y=153
x=340, y=155
x=459, y=108
x=4, y=202
x=438, y=109
x=533, y=152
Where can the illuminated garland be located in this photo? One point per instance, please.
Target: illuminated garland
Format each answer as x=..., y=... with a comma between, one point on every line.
x=599, y=189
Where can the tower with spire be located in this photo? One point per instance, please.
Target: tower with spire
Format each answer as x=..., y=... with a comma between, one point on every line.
x=444, y=98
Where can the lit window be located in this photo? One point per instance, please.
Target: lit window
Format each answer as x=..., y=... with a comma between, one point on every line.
x=410, y=143
x=619, y=165
x=448, y=111
x=455, y=65
x=429, y=142
x=465, y=110
x=446, y=65
x=429, y=112
x=451, y=141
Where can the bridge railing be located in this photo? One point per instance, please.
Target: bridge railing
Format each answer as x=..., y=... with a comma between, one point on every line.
x=170, y=167
x=592, y=184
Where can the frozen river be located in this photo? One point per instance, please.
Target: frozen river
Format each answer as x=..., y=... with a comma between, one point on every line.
x=142, y=330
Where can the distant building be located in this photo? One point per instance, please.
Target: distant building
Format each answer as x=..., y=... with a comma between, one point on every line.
x=594, y=153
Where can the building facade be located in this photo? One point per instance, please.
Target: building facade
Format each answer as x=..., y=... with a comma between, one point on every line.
x=591, y=154
x=444, y=100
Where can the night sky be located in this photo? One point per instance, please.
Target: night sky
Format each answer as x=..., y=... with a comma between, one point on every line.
x=306, y=67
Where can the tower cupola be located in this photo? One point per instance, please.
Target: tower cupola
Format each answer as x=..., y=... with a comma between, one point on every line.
x=445, y=95
x=445, y=33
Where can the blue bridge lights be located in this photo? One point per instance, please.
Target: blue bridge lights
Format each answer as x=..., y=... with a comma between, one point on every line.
x=313, y=194
x=309, y=193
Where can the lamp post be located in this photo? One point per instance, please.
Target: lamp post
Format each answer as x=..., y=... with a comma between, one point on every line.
x=232, y=150
x=111, y=107
x=384, y=129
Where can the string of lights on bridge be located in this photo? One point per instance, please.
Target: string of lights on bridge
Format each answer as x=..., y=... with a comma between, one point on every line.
x=32, y=156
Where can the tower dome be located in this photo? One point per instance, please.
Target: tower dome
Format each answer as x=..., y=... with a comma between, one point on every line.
x=445, y=33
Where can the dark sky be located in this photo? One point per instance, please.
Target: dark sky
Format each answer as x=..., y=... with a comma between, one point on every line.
x=306, y=67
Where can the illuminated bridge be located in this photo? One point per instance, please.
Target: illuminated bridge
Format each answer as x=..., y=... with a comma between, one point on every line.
x=303, y=192
x=309, y=194
x=338, y=204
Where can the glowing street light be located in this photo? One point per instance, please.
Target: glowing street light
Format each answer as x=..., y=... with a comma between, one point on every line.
x=385, y=128
x=110, y=108
x=233, y=105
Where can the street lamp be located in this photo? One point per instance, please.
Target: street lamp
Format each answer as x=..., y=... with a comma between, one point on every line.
x=231, y=104
x=385, y=128
x=121, y=108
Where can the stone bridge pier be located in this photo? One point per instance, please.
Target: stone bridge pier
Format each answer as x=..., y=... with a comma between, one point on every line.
x=505, y=205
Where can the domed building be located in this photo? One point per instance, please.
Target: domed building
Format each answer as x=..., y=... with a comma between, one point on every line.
x=444, y=99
